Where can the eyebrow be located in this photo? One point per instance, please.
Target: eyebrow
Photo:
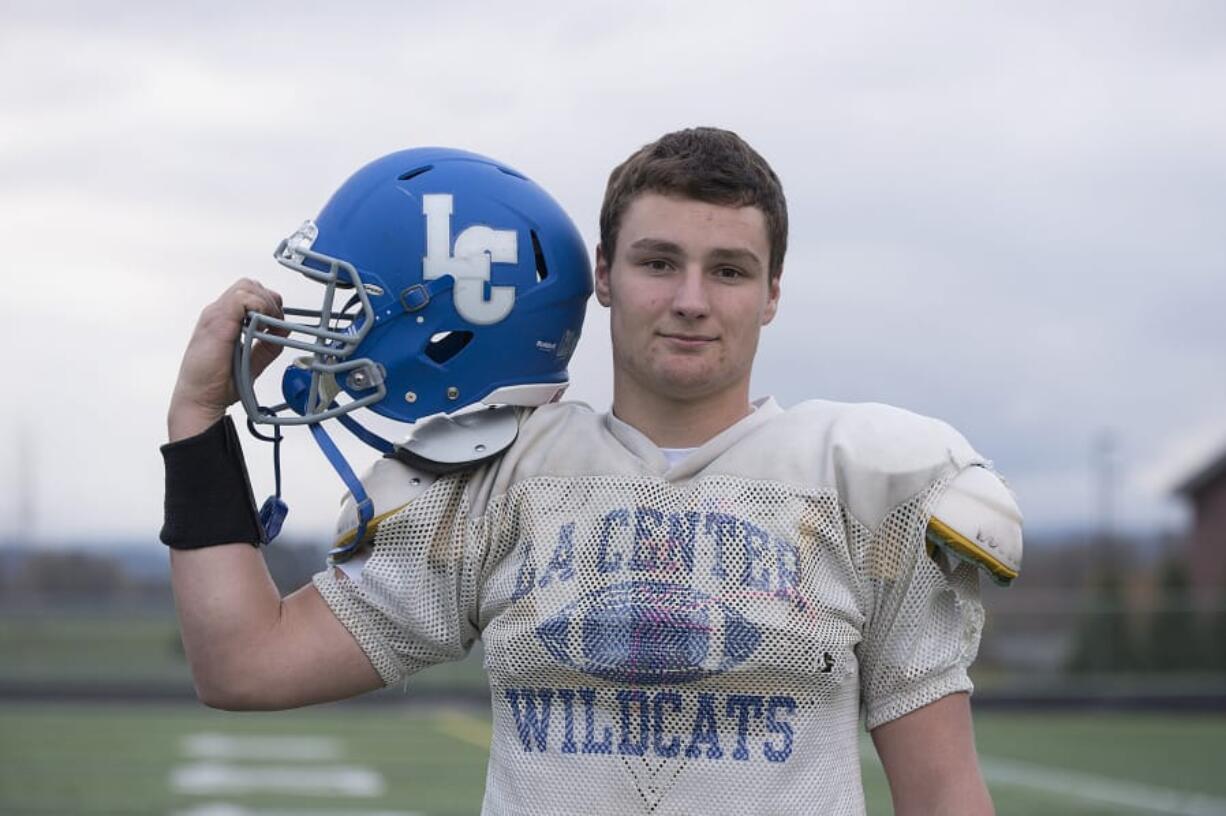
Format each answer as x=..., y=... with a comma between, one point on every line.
x=718, y=254
x=740, y=255
x=657, y=245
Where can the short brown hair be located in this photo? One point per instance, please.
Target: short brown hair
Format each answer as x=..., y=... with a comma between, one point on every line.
x=706, y=164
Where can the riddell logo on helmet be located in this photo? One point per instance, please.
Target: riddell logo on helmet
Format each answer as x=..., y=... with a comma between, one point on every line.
x=469, y=265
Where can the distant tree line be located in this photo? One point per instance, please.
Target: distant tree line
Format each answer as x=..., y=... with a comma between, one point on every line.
x=72, y=576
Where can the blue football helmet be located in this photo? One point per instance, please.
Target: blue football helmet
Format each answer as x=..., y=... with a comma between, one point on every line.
x=449, y=280
x=466, y=283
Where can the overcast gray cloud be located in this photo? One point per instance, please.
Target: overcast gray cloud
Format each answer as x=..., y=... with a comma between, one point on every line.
x=1008, y=217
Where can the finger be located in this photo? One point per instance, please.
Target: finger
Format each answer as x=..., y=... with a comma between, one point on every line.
x=265, y=351
x=245, y=302
x=252, y=296
x=240, y=286
x=255, y=300
x=272, y=302
x=262, y=355
x=221, y=321
x=276, y=296
x=243, y=297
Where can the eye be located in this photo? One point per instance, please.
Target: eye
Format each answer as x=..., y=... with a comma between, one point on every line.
x=729, y=273
x=657, y=265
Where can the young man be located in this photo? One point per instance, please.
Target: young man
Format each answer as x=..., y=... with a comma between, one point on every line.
x=687, y=602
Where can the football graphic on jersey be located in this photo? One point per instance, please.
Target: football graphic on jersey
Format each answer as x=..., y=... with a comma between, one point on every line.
x=649, y=632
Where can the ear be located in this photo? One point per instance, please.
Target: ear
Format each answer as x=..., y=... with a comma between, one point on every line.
x=772, y=299
x=603, y=294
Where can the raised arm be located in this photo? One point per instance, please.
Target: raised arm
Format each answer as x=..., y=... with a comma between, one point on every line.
x=247, y=647
x=929, y=758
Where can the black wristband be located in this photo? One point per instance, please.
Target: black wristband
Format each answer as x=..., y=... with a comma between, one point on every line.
x=208, y=493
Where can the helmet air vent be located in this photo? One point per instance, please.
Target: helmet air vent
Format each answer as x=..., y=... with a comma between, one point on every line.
x=445, y=345
x=542, y=271
x=417, y=171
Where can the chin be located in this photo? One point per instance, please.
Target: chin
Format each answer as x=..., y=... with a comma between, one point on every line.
x=687, y=384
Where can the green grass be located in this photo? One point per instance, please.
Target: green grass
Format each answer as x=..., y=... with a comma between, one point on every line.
x=1153, y=752
x=1185, y=752
x=100, y=758
x=95, y=759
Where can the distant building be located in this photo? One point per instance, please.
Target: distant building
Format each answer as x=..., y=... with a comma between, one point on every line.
x=1206, y=491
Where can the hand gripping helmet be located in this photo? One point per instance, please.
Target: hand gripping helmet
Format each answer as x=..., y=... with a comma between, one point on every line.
x=448, y=279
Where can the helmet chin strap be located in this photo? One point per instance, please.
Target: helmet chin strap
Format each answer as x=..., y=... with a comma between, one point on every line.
x=274, y=510
x=365, y=507
x=365, y=434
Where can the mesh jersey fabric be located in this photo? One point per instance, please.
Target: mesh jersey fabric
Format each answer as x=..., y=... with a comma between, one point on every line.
x=701, y=637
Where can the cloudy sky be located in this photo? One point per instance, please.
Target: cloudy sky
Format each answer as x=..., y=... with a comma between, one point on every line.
x=1008, y=215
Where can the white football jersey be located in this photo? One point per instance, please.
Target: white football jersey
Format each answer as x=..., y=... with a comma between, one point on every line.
x=694, y=638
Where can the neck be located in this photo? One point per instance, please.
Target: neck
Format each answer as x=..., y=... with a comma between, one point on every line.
x=677, y=422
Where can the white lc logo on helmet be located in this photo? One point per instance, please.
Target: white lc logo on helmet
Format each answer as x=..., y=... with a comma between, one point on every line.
x=475, y=249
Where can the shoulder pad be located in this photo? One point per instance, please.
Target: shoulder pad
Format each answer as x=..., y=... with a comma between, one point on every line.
x=977, y=519
x=884, y=455
x=444, y=444
x=391, y=485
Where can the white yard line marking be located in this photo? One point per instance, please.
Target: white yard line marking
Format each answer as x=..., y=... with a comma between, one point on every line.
x=1088, y=787
x=216, y=777
x=209, y=745
x=227, y=809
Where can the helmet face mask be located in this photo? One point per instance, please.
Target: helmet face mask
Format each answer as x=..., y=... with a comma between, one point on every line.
x=449, y=279
x=335, y=337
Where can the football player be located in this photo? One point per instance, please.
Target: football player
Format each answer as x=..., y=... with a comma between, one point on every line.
x=688, y=603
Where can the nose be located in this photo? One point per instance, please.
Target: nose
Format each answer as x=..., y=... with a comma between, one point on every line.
x=690, y=296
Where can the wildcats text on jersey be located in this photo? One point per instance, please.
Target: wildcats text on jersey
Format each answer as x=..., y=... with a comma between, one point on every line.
x=662, y=722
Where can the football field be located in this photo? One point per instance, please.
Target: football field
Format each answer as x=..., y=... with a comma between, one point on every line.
x=381, y=760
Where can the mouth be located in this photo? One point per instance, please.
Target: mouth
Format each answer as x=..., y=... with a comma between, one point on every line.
x=689, y=339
